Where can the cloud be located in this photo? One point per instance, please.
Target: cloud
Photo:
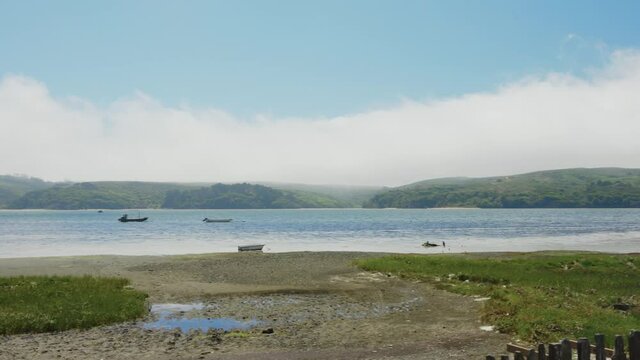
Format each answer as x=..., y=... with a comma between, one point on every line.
x=577, y=52
x=555, y=121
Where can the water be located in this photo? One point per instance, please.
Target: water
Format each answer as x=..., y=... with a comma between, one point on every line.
x=51, y=233
x=172, y=316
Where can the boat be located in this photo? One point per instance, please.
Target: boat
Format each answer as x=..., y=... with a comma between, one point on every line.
x=428, y=244
x=216, y=220
x=126, y=218
x=256, y=247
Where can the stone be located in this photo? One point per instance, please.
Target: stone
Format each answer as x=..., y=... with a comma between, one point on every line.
x=621, y=306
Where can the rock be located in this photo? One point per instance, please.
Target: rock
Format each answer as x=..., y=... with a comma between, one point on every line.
x=214, y=336
x=482, y=299
x=268, y=331
x=622, y=306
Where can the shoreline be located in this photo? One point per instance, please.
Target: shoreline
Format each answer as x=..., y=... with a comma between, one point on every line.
x=439, y=250
x=319, y=305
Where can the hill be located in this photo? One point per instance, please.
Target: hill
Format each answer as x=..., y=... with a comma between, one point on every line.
x=351, y=195
x=246, y=196
x=97, y=195
x=150, y=195
x=13, y=187
x=567, y=188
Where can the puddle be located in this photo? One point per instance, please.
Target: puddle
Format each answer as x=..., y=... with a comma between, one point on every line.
x=176, y=316
x=202, y=324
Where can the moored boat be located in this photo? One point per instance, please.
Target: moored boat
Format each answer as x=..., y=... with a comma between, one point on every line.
x=216, y=220
x=256, y=247
x=126, y=218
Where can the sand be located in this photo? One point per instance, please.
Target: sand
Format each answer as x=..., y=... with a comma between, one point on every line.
x=317, y=304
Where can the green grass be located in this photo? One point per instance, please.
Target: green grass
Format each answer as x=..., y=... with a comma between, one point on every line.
x=30, y=304
x=539, y=297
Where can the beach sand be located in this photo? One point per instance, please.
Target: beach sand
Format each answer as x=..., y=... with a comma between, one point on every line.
x=318, y=305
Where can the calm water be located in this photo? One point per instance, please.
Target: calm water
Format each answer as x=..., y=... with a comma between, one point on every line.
x=173, y=316
x=47, y=233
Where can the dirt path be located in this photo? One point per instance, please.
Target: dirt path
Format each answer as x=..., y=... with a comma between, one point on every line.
x=318, y=305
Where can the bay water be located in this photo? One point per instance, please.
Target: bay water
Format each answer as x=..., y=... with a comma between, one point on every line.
x=27, y=233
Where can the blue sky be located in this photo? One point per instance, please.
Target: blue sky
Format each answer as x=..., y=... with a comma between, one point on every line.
x=303, y=58
x=326, y=92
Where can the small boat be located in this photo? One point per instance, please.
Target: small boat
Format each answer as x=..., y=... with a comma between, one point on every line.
x=428, y=244
x=126, y=218
x=100, y=211
x=216, y=220
x=256, y=247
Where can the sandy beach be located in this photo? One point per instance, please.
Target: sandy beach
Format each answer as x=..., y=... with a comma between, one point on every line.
x=307, y=305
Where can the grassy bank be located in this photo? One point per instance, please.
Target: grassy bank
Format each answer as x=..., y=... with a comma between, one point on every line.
x=536, y=296
x=43, y=303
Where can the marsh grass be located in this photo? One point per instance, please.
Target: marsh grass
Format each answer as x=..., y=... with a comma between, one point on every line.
x=238, y=334
x=30, y=304
x=536, y=296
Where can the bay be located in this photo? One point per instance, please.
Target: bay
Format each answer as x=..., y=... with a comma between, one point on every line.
x=27, y=233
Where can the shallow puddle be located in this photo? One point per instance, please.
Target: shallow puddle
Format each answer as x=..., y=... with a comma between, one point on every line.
x=177, y=316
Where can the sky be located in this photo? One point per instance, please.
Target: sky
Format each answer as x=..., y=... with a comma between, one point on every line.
x=326, y=92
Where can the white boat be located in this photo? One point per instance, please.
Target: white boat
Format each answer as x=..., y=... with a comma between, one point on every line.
x=216, y=220
x=256, y=247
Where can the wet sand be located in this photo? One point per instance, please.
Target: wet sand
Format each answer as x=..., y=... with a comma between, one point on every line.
x=318, y=305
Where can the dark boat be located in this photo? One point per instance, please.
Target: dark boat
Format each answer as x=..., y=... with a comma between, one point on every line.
x=216, y=220
x=428, y=244
x=256, y=247
x=126, y=218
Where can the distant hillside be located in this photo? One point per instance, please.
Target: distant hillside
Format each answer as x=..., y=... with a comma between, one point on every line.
x=246, y=196
x=569, y=188
x=149, y=195
x=13, y=187
x=353, y=196
x=98, y=195
x=604, y=187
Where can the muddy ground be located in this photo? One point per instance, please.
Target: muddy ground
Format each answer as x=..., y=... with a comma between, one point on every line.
x=305, y=306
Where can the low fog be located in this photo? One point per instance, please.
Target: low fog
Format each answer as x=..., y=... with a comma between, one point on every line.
x=539, y=122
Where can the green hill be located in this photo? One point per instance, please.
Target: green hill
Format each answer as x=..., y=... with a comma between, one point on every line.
x=150, y=195
x=568, y=188
x=97, y=195
x=246, y=196
x=353, y=196
x=13, y=187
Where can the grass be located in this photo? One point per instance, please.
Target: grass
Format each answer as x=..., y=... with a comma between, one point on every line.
x=30, y=304
x=238, y=334
x=539, y=297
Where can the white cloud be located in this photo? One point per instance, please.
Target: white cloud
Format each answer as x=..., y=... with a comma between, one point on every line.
x=555, y=121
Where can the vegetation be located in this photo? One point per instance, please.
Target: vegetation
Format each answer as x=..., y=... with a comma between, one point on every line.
x=30, y=304
x=149, y=195
x=352, y=196
x=536, y=296
x=13, y=187
x=97, y=195
x=571, y=188
x=245, y=196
